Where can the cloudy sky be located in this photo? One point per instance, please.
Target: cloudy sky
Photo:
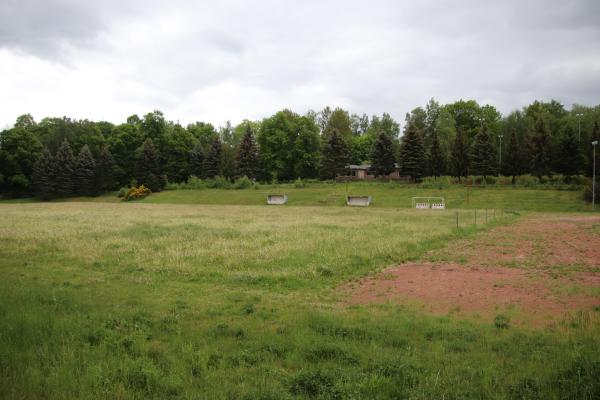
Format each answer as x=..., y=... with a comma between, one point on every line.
x=218, y=60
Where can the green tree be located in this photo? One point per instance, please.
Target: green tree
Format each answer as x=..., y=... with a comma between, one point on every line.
x=570, y=160
x=197, y=160
x=483, y=159
x=178, y=143
x=338, y=121
x=382, y=156
x=43, y=176
x=84, y=172
x=335, y=156
x=123, y=145
x=512, y=165
x=65, y=167
x=412, y=153
x=212, y=161
x=289, y=146
x=247, y=157
x=105, y=170
x=437, y=161
x=19, y=150
x=540, y=143
x=148, y=170
x=460, y=155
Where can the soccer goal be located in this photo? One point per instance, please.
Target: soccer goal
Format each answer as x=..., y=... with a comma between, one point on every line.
x=425, y=203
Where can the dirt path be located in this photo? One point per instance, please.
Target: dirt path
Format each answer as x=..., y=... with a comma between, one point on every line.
x=535, y=270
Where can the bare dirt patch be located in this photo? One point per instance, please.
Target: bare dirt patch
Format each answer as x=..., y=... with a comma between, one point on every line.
x=536, y=270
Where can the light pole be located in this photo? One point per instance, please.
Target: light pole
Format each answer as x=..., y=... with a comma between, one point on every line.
x=594, y=143
x=500, y=157
x=579, y=115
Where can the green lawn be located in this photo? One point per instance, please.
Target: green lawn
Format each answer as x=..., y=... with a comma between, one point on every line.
x=385, y=195
x=138, y=300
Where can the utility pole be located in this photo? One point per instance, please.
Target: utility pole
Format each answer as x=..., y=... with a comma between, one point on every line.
x=594, y=143
x=579, y=115
x=500, y=157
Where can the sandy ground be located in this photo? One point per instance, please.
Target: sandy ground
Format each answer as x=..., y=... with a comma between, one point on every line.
x=535, y=270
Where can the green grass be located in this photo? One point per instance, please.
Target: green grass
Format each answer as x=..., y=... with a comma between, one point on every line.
x=136, y=300
x=385, y=195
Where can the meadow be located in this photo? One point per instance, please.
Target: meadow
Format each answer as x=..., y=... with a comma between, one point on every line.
x=210, y=294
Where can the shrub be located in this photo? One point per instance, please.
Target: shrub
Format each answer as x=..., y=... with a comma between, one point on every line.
x=299, y=183
x=218, y=182
x=501, y=321
x=136, y=193
x=243, y=182
x=123, y=191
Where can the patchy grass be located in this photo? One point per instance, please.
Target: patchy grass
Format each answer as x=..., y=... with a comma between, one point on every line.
x=231, y=302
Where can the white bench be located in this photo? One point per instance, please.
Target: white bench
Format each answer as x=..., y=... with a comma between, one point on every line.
x=277, y=199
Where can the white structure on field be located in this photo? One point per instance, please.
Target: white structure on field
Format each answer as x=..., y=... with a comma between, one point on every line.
x=426, y=203
x=277, y=199
x=358, y=201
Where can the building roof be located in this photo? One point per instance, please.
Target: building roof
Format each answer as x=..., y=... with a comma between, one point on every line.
x=366, y=167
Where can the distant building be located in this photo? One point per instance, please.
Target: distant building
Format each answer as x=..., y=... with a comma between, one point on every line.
x=363, y=172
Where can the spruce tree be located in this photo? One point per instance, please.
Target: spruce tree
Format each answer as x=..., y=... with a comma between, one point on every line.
x=147, y=167
x=212, y=161
x=43, y=176
x=197, y=161
x=382, y=156
x=65, y=165
x=335, y=155
x=540, y=146
x=246, y=161
x=570, y=161
x=105, y=168
x=460, y=155
x=412, y=153
x=512, y=165
x=85, y=171
x=483, y=156
x=436, y=158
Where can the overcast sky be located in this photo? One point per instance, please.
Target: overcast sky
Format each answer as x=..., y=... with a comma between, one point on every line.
x=219, y=60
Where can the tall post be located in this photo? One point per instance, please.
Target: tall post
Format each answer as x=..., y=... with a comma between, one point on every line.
x=579, y=115
x=500, y=157
x=594, y=143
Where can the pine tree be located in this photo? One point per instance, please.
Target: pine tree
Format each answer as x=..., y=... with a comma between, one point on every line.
x=105, y=168
x=335, y=155
x=84, y=173
x=197, y=161
x=483, y=159
x=212, y=161
x=43, y=176
x=436, y=158
x=246, y=161
x=540, y=143
x=412, y=153
x=571, y=160
x=147, y=167
x=382, y=156
x=65, y=165
x=512, y=165
x=460, y=155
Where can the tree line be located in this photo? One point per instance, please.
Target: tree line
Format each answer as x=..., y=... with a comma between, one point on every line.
x=61, y=157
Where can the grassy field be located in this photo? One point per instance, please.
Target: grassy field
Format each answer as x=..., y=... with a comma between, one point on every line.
x=140, y=300
x=386, y=195
x=397, y=195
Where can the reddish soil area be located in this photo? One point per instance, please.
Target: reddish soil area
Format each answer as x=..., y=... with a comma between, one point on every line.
x=536, y=270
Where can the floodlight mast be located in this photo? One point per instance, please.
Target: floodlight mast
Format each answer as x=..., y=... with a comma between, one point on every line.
x=594, y=143
x=579, y=115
